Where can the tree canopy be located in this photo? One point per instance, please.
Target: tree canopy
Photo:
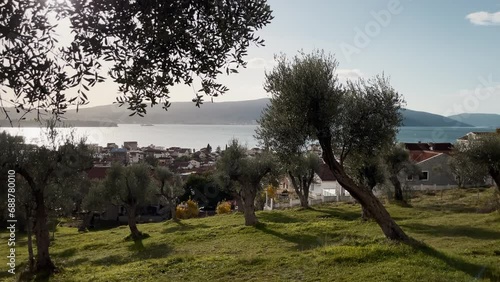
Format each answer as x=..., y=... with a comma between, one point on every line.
x=149, y=46
x=358, y=117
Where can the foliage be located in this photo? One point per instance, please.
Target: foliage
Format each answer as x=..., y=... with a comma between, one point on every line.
x=359, y=117
x=149, y=46
x=271, y=191
x=188, y=209
x=204, y=189
x=128, y=185
x=484, y=154
x=48, y=171
x=245, y=176
x=223, y=207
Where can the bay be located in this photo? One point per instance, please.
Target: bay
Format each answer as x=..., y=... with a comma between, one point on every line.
x=198, y=136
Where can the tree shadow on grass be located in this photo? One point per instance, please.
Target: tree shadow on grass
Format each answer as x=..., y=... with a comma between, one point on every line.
x=453, y=231
x=448, y=207
x=139, y=252
x=338, y=213
x=181, y=226
x=307, y=241
x=278, y=217
x=474, y=270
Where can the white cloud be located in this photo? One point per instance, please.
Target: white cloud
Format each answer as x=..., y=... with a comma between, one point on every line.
x=351, y=74
x=484, y=18
x=260, y=63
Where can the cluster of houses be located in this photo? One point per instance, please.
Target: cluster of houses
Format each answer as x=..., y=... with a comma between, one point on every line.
x=433, y=160
x=184, y=161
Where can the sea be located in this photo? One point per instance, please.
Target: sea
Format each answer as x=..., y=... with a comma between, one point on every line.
x=199, y=136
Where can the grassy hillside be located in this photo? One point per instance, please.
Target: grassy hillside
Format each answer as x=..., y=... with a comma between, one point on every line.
x=328, y=243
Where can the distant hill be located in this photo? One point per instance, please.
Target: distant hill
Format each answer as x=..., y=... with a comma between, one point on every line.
x=416, y=118
x=240, y=112
x=489, y=120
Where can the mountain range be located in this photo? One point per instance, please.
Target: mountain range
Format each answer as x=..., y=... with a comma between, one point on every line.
x=240, y=112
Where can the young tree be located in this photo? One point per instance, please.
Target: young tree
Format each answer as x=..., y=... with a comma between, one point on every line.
x=301, y=170
x=131, y=187
x=150, y=46
x=41, y=167
x=366, y=171
x=397, y=160
x=485, y=152
x=243, y=175
x=171, y=187
x=466, y=171
x=275, y=134
x=209, y=148
x=360, y=117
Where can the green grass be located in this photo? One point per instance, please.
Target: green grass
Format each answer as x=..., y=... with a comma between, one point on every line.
x=328, y=243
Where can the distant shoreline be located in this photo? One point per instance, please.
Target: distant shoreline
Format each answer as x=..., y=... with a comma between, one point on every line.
x=61, y=124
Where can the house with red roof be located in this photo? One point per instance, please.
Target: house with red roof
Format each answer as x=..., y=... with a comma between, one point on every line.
x=433, y=160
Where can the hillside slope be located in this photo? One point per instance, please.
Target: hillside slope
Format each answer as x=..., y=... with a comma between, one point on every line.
x=488, y=120
x=240, y=112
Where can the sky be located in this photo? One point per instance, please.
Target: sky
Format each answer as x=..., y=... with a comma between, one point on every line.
x=442, y=56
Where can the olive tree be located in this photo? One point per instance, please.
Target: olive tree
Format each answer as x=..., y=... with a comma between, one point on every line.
x=397, y=160
x=360, y=117
x=243, y=175
x=148, y=46
x=366, y=171
x=466, y=171
x=171, y=187
x=42, y=168
x=485, y=152
x=131, y=187
x=298, y=165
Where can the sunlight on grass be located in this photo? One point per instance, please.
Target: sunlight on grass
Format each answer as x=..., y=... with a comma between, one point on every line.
x=327, y=243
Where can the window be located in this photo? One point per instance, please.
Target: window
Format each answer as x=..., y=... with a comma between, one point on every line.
x=409, y=178
x=424, y=176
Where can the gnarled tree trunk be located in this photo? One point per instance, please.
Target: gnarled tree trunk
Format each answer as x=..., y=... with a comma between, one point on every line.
x=43, y=261
x=495, y=174
x=173, y=210
x=86, y=221
x=132, y=224
x=248, y=199
x=363, y=195
x=29, y=234
x=398, y=191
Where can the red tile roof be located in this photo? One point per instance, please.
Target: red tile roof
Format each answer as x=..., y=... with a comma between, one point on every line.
x=420, y=156
x=97, y=172
x=325, y=174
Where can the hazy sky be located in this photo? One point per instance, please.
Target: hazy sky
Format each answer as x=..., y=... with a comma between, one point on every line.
x=443, y=56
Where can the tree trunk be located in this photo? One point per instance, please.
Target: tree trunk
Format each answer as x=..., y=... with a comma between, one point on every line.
x=365, y=214
x=87, y=219
x=173, y=210
x=31, y=256
x=301, y=188
x=363, y=195
x=239, y=203
x=135, y=233
x=398, y=191
x=495, y=174
x=43, y=261
x=249, y=210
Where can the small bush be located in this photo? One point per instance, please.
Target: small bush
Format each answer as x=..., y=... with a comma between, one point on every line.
x=187, y=209
x=223, y=208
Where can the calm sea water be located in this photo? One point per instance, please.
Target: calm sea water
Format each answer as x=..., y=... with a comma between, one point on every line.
x=198, y=136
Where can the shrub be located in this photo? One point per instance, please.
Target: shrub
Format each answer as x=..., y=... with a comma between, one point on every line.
x=187, y=209
x=271, y=191
x=223, y=207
